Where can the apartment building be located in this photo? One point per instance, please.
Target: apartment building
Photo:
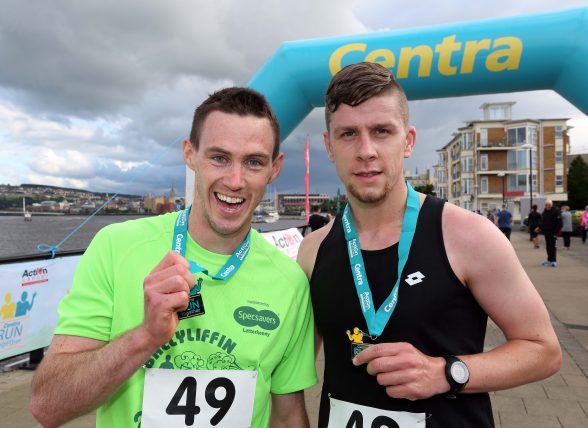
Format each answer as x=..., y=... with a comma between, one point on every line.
x=500, y=160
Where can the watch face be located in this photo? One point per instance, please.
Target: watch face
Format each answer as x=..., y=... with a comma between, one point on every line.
x=459, y=372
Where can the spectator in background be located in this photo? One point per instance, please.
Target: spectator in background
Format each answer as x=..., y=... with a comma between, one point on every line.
x=504, y=221
x=550, y=226
x=317, y=220
x=584, y=224
x=534, y=221
x=490, y=216
x=566, y=228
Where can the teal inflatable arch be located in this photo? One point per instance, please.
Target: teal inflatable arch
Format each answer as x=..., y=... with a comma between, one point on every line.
x=543, y=51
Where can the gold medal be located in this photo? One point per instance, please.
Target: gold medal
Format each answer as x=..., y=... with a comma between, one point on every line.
x=356, y=339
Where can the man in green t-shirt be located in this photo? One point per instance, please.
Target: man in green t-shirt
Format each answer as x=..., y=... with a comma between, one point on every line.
x=189, y=318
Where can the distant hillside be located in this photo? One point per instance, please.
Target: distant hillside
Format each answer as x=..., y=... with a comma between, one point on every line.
x=40, y=187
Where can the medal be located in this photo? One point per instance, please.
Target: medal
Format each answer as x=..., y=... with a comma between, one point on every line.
x=180, y=235
x=356, y=338
x=195, y=305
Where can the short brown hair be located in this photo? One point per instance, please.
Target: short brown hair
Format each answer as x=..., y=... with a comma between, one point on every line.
x=359, y=82
x=240, y=101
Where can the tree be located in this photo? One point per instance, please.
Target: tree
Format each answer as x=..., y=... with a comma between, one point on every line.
x=427, y=189
x=578, y=183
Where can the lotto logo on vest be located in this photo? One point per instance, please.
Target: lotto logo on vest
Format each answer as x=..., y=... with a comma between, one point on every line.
x=414, y=278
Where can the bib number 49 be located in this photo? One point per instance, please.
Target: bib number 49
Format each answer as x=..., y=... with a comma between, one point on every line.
x=198, y=398
x=190, y=409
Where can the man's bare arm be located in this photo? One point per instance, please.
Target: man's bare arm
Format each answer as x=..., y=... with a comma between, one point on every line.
x=288, y=411
x=306, y=258
x=488, y=264
x=78, y=374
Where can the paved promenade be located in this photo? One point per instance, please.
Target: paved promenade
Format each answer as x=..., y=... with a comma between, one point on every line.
x=558, y=402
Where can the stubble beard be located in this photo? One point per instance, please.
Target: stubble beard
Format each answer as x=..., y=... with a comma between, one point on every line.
x=370, y=196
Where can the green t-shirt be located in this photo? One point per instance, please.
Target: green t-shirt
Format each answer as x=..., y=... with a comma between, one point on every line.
x=106, y=300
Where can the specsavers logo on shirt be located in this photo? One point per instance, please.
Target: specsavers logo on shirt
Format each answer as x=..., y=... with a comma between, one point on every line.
x=251, y=317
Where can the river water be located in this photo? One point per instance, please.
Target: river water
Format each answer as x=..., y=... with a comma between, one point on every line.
x=18, y=237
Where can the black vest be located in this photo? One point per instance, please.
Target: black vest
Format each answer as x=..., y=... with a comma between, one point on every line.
x=437, y=314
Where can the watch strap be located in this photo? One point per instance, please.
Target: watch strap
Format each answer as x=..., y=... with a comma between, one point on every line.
x=454, y=385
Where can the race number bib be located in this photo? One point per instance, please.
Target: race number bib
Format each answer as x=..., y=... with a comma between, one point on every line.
x=350, y=415
x=198, y=398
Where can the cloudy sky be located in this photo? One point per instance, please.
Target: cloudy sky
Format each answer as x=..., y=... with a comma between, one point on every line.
x=99, y=94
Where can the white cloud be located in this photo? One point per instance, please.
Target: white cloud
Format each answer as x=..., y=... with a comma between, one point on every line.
x=68, y=163
x=58, y=181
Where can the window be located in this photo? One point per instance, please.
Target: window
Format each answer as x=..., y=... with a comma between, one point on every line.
x=558, y=132
x=533, y=136
x=483, y=162
x=519, y=159
x=467, y=142
x=484, y=185
x=497, y=113
x=519, y=136
x=559, y=180
x=484, y=137
x=467, y=186
x=558, y=156
x=517, y=182
x=467, y=164
x=455, y=172
x=441, y=176
x=455, y=190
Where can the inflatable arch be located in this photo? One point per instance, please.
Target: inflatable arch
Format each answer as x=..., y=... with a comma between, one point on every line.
x=524, y=53
x=542, y=51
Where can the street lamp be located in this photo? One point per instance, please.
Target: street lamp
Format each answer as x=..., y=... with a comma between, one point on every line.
x=503, y=175
x=529, y=146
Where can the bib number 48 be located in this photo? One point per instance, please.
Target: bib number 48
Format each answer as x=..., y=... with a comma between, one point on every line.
x=356, y=421
x=351, y=415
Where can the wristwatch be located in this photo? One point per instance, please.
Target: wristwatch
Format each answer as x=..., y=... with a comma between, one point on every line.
x=457, y=374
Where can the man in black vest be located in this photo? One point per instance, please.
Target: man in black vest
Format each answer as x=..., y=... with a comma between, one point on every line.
x=401, y=291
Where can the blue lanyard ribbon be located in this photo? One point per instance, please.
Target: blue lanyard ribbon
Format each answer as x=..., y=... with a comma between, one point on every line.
x=376, y=321
x=232, y=265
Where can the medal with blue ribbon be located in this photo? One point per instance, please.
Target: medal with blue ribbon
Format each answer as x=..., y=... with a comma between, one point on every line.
x=180, y=236
x=376, y=320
